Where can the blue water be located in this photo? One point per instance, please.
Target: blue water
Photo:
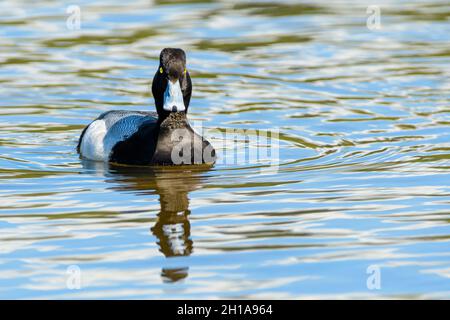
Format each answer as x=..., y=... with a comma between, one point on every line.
x=362, y=182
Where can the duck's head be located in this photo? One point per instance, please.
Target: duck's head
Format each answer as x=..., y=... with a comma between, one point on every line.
x=172, y=86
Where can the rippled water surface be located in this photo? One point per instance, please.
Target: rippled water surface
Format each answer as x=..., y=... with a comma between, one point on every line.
x=363, y=182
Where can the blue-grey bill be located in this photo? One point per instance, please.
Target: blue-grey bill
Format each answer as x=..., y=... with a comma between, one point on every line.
x=173, y=97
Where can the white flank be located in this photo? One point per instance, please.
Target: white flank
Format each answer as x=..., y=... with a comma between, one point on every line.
x=92, y=146
x=99, y=138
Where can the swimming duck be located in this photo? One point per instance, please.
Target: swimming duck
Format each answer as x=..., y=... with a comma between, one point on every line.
x=149, y=138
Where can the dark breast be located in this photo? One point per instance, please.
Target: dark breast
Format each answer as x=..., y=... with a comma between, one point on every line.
x=182, y=146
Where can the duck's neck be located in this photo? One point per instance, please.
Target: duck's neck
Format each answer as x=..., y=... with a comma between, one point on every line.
x=174, y=120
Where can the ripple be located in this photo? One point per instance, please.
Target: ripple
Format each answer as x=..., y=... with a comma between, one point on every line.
x=360, y=179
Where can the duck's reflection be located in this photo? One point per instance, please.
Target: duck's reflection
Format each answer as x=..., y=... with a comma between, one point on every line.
x=173, y=184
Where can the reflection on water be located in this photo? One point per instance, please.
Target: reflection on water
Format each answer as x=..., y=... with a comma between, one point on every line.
x=363, y=178
x=172, y=185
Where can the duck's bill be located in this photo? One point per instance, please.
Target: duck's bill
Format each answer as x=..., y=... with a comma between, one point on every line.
x=173, y=97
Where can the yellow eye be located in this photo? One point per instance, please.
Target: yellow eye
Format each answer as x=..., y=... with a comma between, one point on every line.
x=160, y=70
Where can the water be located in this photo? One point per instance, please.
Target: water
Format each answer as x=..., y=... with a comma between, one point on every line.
x=362, y=188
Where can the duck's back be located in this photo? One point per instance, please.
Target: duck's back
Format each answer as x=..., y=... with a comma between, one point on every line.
x=106, y=133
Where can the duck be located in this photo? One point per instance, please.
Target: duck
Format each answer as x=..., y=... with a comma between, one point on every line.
x=164, y=137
